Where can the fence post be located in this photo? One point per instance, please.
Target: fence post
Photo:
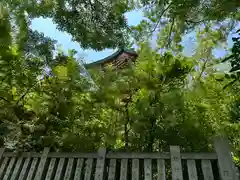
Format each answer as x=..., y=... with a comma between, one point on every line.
x=176, y=163
x=1, y=152
x=1, y=167
x=225, y=162
x=100, y=164
x=42, y=163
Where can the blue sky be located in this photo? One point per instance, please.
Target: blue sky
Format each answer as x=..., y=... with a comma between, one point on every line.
x=64, y=39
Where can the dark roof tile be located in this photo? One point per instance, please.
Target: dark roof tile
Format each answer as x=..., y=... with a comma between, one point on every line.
x=111, y=57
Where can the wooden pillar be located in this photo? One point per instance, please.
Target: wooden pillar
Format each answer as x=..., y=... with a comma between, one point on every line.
x=226, y=165
x=100, y=167
x=42, y=163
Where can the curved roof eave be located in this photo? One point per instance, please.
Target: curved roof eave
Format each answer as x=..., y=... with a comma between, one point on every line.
x=112, y=56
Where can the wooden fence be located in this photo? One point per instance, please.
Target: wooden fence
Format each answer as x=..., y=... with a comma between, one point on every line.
x=120, y=166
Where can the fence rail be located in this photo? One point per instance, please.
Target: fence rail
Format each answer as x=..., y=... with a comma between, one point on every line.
x=113, y=155
x=120, y=166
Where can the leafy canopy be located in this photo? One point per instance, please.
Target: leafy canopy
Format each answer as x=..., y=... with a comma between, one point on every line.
x=95, y=24
x=179, y=17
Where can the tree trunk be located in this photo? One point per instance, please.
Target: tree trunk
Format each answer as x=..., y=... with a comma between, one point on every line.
x=126, y=130
x=151, y=134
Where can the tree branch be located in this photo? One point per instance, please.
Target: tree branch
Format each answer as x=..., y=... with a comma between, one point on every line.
x=5, y=78
x=194, y=22
x=231, y=83
x=203, y=68
x=27, y=91
x=162, y=13
x=170, y=32
x=4, y=99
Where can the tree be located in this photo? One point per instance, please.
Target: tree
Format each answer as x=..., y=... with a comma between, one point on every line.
x=39, y=45
x=94, y=24
x=233, y=76
x=177, y=18
x=234, y=59
x=31, y=99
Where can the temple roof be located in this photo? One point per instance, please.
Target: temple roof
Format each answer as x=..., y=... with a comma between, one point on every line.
x=111, y=57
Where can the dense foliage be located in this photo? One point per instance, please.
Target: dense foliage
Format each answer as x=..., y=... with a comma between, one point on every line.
x=163, y=98
x=176, y=18
x=234, y=57
x=96, y=24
